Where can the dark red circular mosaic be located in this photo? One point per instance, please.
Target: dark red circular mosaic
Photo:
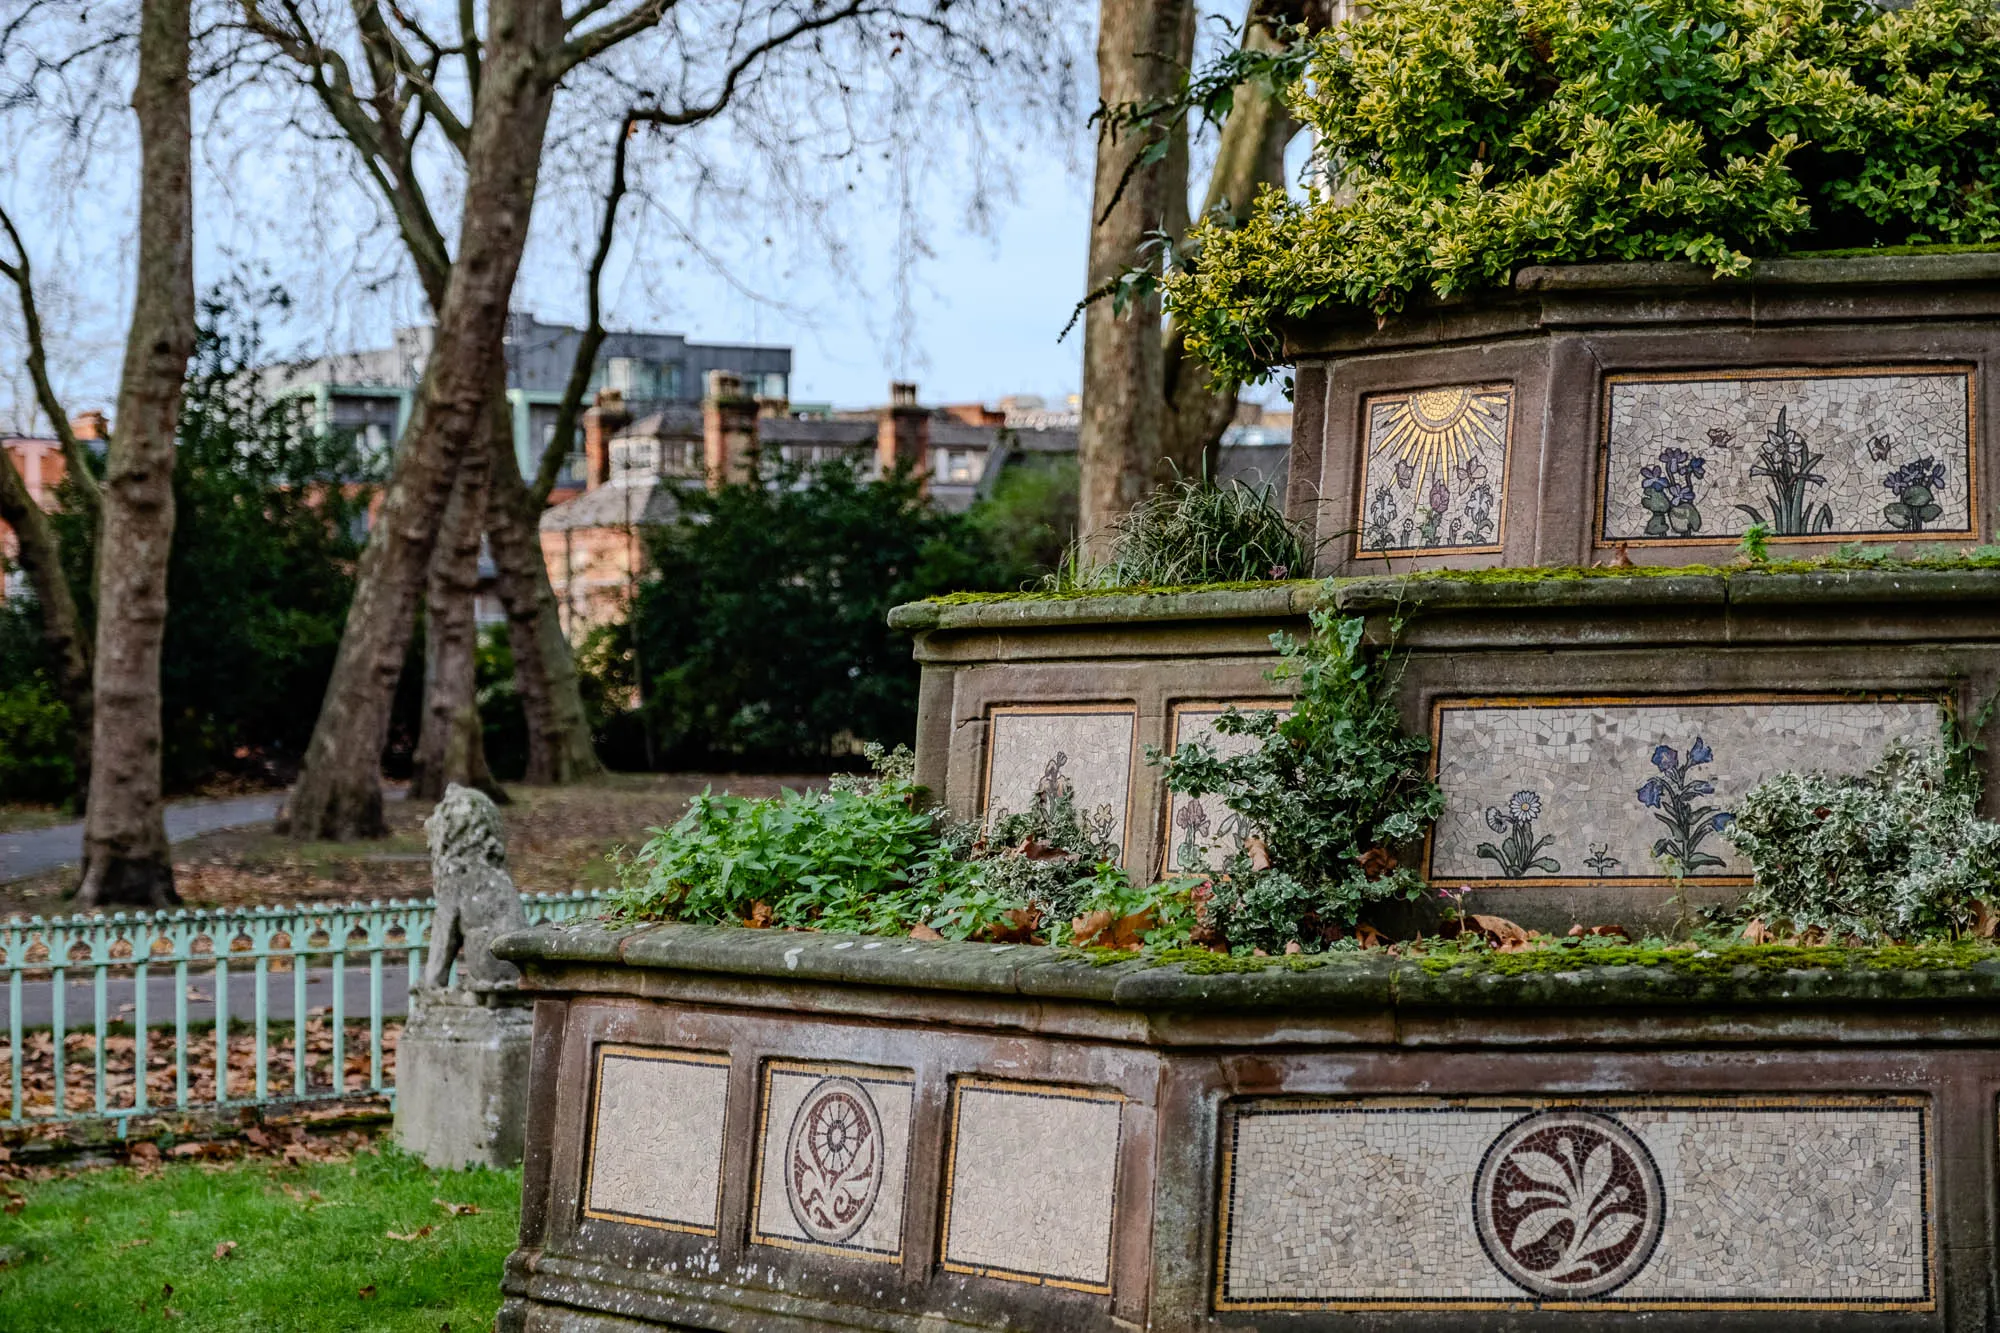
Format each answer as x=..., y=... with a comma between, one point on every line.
x=833, y=1160
x=1568, y=1204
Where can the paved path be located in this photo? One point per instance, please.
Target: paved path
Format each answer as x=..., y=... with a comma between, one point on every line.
x=80, y=995
x=37, y=850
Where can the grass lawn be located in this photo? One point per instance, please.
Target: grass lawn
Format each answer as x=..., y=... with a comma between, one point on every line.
x=123, y=1249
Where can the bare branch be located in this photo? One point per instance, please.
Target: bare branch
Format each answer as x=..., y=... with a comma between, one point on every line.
x=21, y=275
x=698, y=112
x=571, y=407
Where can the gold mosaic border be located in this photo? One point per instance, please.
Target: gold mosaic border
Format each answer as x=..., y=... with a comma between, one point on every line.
x=1234, y=1111
x=1267, y=705
x=1441, y=705
x=1056, y=1092
x=1367, y=452
x=659, y=1055
x=900, y=1078
x=1125, y=710
x=1965, y=370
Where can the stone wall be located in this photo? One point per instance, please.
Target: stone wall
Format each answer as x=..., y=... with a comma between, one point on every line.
x=1653, y=413
x=1590, y=732
x=737, y=1129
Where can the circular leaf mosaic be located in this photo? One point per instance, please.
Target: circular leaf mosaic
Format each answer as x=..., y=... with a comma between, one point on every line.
x=833, y=1160
x=1568, y=1204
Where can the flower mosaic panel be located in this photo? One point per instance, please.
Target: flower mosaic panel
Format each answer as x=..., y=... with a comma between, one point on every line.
x=1810, y=455
x=1035, y=753
x=1031, y=1187
x=1202, y=832
x=832, y=1156
x=1434, y=472
x=656, y=1138
x=1602, y=791
x=1633, y=1202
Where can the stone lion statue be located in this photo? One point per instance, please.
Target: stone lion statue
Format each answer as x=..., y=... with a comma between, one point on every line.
x=476, y=899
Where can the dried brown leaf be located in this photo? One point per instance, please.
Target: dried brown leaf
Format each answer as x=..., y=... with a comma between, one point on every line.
x=224, y=1249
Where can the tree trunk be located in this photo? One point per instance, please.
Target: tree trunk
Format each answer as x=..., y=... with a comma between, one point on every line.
x=559, y=740
x=62, y=626
x=1149, y=410
x=451, y=747
x=1143, y=48
x=125, y=854
x=339, y=793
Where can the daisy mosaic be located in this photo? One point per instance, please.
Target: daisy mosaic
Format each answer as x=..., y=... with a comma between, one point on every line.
x=1807, y=455
x=1594, y=791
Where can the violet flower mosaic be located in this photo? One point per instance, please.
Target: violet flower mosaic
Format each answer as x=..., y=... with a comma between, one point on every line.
x=1594, y=791
x=1801, y=455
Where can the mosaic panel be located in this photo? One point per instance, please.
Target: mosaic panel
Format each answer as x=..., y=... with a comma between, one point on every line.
x=1811, y=455
x=1031, y=1187
x=1034, y=753
x=1434, y=471
x=1606, y=791
x=1631, y=1202
x=1201, y=830
x=832, y=1155
x=656, y=1138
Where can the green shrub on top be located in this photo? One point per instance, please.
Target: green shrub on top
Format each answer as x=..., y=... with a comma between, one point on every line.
x=1465, y=138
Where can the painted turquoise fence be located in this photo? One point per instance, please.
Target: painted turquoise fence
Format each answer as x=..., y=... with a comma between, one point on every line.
x=292, y=997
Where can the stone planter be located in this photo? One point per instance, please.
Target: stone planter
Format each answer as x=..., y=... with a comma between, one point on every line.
x=736, y=1129
x=1561, y=687
x=1561, y=421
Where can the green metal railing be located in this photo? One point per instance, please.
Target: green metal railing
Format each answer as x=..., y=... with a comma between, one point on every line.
x=130, y=970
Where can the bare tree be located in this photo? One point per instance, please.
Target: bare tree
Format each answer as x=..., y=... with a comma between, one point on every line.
x=125, y=853
x=382, y=84
x=40, y=549
x=1149, y=408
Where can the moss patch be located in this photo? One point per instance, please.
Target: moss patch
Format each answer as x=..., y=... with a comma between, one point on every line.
x=1875, y=251
x=1714, y=962
x=1081, y=594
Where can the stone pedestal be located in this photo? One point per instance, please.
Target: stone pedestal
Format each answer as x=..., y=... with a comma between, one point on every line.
x=462, y=1078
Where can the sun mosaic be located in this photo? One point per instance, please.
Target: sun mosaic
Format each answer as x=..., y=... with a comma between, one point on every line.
x=1434, y=475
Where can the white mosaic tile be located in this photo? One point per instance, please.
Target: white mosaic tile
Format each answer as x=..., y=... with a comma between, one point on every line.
x=1434, y=472
x=1032, y=1186
x=1883, y=453
x=833, y=1155
x=1629, y=1202
x=656, y=1137
x=1087, y=751
x=1603, y=792
x=1202, y=831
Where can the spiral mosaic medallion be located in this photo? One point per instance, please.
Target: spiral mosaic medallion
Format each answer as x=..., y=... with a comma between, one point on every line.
x=833, y=1160
x=1568, y=1204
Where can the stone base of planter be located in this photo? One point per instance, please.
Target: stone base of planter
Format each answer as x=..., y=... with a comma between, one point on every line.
x=744, y=1129
x=462, y=1080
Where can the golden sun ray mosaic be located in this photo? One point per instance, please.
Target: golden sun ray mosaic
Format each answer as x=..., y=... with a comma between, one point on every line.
x=1434, y=474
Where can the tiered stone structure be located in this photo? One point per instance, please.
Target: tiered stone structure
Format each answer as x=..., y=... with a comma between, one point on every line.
x=737, y=1129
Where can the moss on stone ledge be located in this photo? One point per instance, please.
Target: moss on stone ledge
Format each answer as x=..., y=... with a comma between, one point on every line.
x=1859, y=559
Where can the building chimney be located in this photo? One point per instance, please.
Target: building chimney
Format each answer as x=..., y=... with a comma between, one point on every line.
x=603, y=417
x=728, y=430
x=90, y=425
x=903, y=434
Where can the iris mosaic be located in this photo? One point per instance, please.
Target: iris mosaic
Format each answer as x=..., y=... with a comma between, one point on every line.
x=1202, y=832
x=1434, y=473
x=1036, y=753
x=656, y=1138
x=1031, y=1185
x=1590, y=791
x=833, y=1152
x=1628, y=1202
x=1878, y=453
